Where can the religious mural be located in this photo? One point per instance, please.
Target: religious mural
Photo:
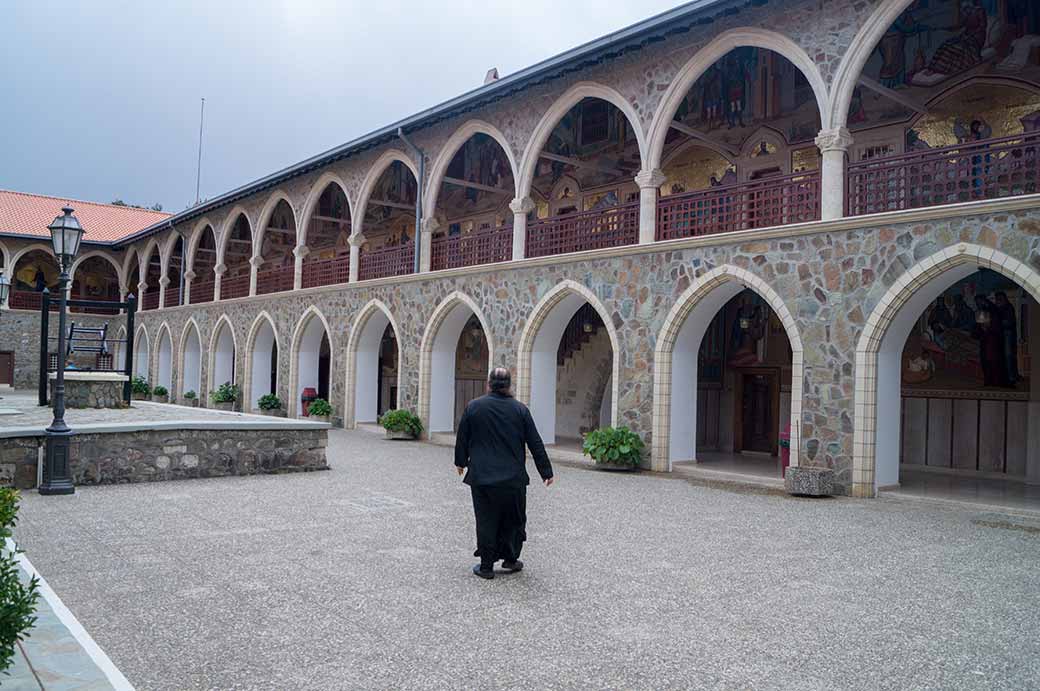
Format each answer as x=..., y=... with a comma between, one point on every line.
x=390, y=213
x=471, y=355
x=34, y=272
x=974, y=336
x=485, y=202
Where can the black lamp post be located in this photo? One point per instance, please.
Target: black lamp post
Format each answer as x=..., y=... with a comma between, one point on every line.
x=5, y=290
x=66, y=234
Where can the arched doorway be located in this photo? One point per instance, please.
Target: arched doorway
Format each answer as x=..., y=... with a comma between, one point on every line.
x=313, y=360
x=389, y=223
x=152, y=277
x=277, y=245
x=238, y=249
x=33, y=271
x=175, y=272
x=203, y=263
x=142, y=353
x=568, y=365
x=373, y=364
x=191, y=362
x=222, y=354
x=95, y=278
x=164, y=360
x=327, y=238
x=263, y=366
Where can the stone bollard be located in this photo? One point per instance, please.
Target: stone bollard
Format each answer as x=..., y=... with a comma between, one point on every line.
x=809, y=481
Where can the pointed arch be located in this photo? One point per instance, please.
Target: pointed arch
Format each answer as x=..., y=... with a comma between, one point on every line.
x=189, y=369
x=301, y=329
x=30, y=248
x=880, y=346
x=535, y=354
x=363, y=344
x=372, y=177
x=572, y=97
x=196, y=237
x=163, y=357
x=707, y=56
x=131, y=261
x=119, y=356
x=142, y=353
x=317, y=189
x=251, y=368
x=279, y=195
x=218, y=368
x=5, y=257
x=103, y=255
x=227, y=226
x=451, y=147
x=695, y=308
x=442, y=336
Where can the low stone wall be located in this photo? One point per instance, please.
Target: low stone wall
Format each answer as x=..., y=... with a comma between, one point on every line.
x=153, y=455
x=94, y=390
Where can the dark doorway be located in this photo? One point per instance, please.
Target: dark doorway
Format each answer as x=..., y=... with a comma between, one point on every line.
x=7, y=367
x=324, y=357
x=757, y=417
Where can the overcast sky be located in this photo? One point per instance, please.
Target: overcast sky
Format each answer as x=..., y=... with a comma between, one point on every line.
x=100, y=100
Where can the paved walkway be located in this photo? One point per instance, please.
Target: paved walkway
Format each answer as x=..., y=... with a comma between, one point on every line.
x=359, y=578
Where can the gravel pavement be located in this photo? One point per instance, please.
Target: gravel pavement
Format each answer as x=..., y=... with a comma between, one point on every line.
x=359, y=577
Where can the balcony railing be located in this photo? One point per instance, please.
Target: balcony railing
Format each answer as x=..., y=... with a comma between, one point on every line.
x=173, y=296
x=590, y=230
x=388, y=261
x=326, y=272
x=757, y=204
x=234, y=287
x=486, y=246
x=94, y=310
x=201, y=291
x=275, y=280
x=986, y=169
x=150, y=301
x=29, y=300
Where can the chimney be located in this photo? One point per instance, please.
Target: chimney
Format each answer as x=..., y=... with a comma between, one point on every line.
x=491, y=76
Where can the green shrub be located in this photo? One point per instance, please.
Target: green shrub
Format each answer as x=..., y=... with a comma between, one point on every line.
x=17, y=599
x=160, y=391
x=319, y=407
x=269, y=402
x=401, y=421
x=139, y=385
x=225, y=393
x=190, y=395
x=616, y=445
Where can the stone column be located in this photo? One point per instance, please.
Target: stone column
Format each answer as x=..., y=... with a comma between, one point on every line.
x=649, y=181
x=254, y=267
x=833, y=145
x=299, y=253
x=429, y=227
x=356, y=241
x=520, y=207
x=163, y=283
x=189, y=276
x=218, y=274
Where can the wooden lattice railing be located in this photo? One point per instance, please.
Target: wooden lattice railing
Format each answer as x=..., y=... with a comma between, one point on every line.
x=234, y=287
x=201, y=291
x=150, y=301
x=275, y=280
x=773, y=201
x=388, y=261
x=590, y=230
x=479, y=247
x=28, y=300
x=326, y=272
x=172, y=297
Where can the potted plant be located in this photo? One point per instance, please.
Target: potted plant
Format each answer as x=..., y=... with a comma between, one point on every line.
x=614, y=448
x=139, y=388
x=269, y=404
x=160, y=394
x=401, y=424
x=225, y=396
x=191, y=399
x=320, y=410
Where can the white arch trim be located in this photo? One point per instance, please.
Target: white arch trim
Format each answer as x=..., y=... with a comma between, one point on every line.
x=362, y=335
x=223, y=322
x=248, y=392
x=142, y=369
x=104, y=255
x=303, y=223
x=312, y=312
x=458, y=138
x=539, y=395
x=29, y=248
x=163, y=370
x=377, y=169
x=438, y=378
x=186, y=369
x=708, y=56
x=5, y=254
x=572, y=97
x=226, y=228
x=701, y=301
x=878, y=372
x=196, y=238
x=279, y=195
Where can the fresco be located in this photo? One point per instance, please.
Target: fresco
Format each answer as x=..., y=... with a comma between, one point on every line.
x=974, y=336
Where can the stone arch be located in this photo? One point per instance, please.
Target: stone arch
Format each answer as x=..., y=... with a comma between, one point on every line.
x=708, y=56
x=372, y=177
x=220, y=368
x=303, y=343
x=142, y=353
x=132, y=255
x=5, y=257
x=303, y=223
x=104, y=255
x=29, y=248
x=164, y=357
x=855, y=59
x=885, y=333
x=451, y=147
x=257, y=338
x=363, y=354
x=537, y=352
x=572, y=97
x=227, y=226
x=278, y=195
x=119, y=356
x=195, y=237
x=437, y=379
x=189, y=371
x=695, y=309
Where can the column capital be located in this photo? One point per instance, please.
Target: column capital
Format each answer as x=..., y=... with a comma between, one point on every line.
x=219, y=269
x=430, y=226
x=255, y=262
x=301, y=252
x=837, y=139
x=650, y=178
x=522, y=206
x=357, y=240
x=164, y=281
x=189, y=275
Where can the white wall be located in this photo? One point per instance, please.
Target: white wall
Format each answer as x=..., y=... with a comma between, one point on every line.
x=263, y=351
x=442, y=369
x=165, y=370
x=192, y=365
x=307, y=359
x=543, y=365
x=141, y=352
x=223, y=358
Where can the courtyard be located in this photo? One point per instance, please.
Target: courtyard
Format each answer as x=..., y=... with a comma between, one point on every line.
x=358, y=577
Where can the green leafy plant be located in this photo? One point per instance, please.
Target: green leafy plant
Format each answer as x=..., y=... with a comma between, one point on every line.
x=225, y=393
x=269, y=402
x=614, y=445
x=190, y=395
x=139, y=385
x=17, y=598
x=401, y=421
x=319, y=407
x=160, y=391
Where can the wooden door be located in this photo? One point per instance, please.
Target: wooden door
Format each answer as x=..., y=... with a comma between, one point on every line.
x=7, y=367
x=757, y=419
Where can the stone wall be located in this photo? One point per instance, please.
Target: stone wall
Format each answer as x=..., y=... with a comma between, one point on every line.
x=153, y=455
x=20, y=333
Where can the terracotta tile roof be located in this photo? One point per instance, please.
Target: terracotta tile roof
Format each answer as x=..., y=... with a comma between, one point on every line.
x=30, y=214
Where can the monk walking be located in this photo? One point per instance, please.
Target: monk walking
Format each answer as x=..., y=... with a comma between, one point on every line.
x=491, y=441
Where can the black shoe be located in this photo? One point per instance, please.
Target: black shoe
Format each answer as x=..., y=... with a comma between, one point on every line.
x=487, y=574
x=513, y=566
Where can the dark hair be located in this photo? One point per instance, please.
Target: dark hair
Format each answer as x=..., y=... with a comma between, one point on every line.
x=500, y=381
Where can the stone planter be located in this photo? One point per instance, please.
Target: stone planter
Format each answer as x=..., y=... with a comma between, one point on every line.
x=620, y=467
x=160, y=399
x=400, y=435
x=318, y=418
x=139, y=396
x=224, y=405
x=191, y=402
x=809, y=482
x=276, y=412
